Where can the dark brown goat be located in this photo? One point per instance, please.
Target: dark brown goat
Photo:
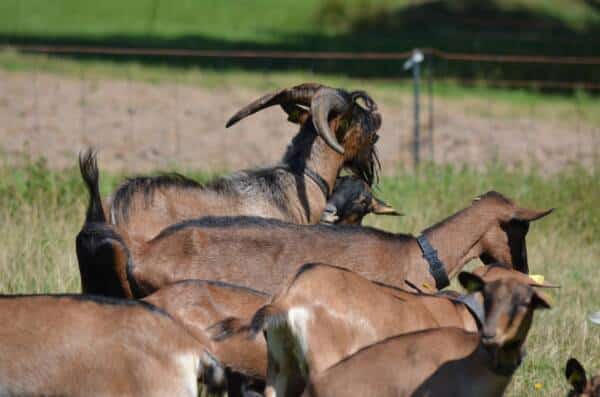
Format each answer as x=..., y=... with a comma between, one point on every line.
x=77, y=345
x=326, y=313
x=577, y=378
x=442, y=361
x=261, y=253
x=202, y=308
x=352, y=200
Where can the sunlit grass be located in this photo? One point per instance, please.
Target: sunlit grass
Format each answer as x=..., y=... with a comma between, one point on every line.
x=41, y=211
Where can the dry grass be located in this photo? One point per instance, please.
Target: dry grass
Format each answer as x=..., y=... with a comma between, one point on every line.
x=41, y=212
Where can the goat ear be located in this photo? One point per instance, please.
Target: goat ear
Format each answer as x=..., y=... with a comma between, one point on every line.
x=529, y=215
x=576, y=375
x=380, y=207
x=296, y=114
x=471, y=282
x=540, y=301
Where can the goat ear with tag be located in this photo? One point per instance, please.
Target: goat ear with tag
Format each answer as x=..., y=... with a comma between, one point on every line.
x=471, y=282
x=576, y=375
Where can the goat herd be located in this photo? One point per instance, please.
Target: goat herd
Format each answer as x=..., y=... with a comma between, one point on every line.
x=234, y=283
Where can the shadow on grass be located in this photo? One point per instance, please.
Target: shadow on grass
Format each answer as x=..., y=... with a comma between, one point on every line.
x=468, y=26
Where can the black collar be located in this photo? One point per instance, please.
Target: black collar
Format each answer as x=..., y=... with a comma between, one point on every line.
x=474, y=307
x=318, y=179
x=436, y=267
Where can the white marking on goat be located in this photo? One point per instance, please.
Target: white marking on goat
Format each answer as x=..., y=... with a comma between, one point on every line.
x=298, y=318
x=189, y=365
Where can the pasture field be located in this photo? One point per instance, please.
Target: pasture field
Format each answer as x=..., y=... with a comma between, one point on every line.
x=41, y=210
x=542, y=27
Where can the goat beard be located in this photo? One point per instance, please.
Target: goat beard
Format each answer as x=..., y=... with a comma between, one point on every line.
x=368, y=168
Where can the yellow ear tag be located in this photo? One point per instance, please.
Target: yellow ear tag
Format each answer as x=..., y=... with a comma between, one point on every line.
x=427, y=286
x=538, y=278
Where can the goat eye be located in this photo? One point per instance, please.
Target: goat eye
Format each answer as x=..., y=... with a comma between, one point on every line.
x=375, y=138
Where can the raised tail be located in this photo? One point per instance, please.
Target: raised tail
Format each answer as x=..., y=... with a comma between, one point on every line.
x=102, y=252
x=88, y=167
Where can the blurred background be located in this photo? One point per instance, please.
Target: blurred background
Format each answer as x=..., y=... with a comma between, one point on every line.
x=150, y=83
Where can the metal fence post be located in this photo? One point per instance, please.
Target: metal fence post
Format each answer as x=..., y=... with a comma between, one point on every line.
x=414, y=63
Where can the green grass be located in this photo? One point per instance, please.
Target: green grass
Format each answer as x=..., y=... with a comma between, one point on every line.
x=41, y=211
x=559, y=27
x=261, y=21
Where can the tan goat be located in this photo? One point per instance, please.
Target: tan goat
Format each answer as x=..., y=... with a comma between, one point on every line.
x=261, y=253
x=77, y=346
x=442, y=361
x=327, y=313
x=582, y=387
x=201, y=307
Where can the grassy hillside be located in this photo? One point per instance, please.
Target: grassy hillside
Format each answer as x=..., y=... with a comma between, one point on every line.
x=41, y=212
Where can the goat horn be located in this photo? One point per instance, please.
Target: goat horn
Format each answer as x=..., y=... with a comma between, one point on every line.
x=324, y=102
x=300, y=94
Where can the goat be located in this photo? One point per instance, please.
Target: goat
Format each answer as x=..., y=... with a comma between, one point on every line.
x=102, y=250
x=445, y=361
x=203, y=308
x=351, y=200
x=261, y=253
x=326, y=313
x=577, y=378
x=78, y=345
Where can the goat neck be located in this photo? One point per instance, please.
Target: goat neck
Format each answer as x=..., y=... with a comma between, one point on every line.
x=457, y=239
x=308, y=151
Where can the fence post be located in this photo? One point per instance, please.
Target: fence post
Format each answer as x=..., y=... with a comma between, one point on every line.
x=414, y=63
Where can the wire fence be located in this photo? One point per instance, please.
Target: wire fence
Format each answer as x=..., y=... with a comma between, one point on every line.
x=142, y=126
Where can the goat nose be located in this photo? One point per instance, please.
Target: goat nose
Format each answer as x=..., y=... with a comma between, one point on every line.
x=488, y=334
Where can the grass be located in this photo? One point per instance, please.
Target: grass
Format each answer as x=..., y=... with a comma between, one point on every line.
x=558, y=27
x=42, y=210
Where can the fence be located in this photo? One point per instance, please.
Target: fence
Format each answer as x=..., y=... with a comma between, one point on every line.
x=144, y=126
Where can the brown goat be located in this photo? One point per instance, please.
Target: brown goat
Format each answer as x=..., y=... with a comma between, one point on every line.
x=261, y=253
x=582, y=387
x=326, y=313
x=442, y=361
x=77, y=345
x=201, y=307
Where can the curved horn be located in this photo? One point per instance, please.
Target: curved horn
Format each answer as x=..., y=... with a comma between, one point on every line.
x=324, y=102
x=300, y=94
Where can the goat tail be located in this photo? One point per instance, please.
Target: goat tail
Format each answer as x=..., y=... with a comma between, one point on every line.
x=266, y=317
x=104, y=260
x=88, y=166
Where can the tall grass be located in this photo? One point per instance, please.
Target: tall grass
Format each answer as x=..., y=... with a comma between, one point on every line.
x=41, y=211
